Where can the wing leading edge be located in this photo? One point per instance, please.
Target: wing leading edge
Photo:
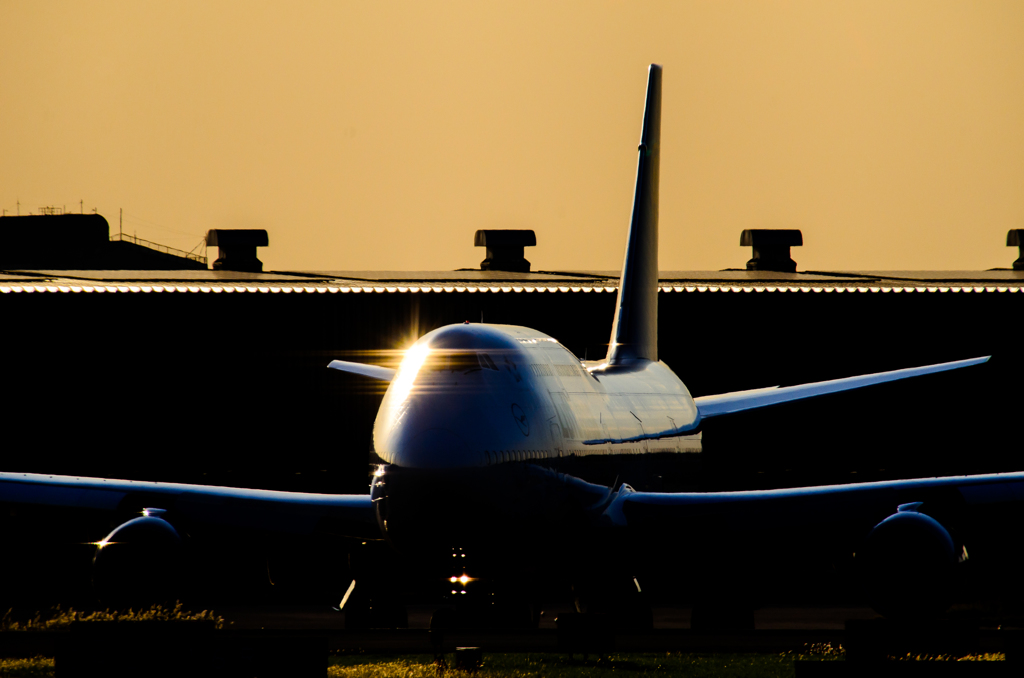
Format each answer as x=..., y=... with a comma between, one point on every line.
x=350, y=515
x=804, y=507
x=739, y=401
x=371, y=371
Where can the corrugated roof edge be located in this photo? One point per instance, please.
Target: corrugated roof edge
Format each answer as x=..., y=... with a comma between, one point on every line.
x=57, y=287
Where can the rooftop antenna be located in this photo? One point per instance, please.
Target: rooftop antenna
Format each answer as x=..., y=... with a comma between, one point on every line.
x=81, y=206
x=120, y=222
x=19, y=207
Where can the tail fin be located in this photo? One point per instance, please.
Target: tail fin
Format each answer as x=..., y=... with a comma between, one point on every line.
x=635, y=330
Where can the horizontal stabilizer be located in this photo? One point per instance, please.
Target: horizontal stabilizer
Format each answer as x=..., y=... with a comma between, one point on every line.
x=739, y=401
x=371, y=371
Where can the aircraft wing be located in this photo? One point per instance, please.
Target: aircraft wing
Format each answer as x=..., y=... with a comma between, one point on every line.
x=739, y=401
x=807, y=507
x=900, y=542
x=371, y=371
x=350, y=515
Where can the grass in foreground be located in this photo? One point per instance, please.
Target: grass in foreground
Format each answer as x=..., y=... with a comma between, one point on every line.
x=551, y=665
x=57, y=618
x=543, y=665
x=27, y=668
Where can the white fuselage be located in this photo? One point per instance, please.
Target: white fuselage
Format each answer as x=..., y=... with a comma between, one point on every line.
x=478, y=395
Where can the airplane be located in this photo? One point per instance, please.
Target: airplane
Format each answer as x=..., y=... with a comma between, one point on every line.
x=488, y=449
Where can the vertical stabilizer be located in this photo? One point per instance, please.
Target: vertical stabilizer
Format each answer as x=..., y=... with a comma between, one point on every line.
x=635, y=329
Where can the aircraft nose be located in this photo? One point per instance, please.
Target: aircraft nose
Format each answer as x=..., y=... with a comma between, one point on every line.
x=432, y=448
x=428, y=435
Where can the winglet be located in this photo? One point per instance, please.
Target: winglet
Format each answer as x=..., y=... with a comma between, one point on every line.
x=635, y=329
x=371, y=371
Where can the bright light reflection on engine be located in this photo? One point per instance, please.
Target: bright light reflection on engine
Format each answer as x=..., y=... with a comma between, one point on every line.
x=407, y=371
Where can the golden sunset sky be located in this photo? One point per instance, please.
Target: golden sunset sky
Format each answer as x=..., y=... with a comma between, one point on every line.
x=381, y=135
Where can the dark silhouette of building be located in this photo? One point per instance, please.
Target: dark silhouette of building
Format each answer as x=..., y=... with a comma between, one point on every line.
x=58, y=242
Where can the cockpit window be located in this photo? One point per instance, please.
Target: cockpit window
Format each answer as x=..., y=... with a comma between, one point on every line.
x=463, y=362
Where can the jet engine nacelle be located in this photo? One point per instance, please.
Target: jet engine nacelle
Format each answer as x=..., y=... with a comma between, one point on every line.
x=908, y=563
x=140, y=562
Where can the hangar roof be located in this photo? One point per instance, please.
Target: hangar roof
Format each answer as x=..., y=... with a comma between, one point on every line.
x=996, y=280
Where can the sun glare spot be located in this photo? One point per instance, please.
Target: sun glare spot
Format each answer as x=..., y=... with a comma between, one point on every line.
x=410, y=367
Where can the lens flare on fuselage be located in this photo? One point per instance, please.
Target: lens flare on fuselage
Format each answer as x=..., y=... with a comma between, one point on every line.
x=407, y=371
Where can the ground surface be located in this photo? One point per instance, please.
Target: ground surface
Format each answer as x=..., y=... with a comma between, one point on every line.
x=665, y=618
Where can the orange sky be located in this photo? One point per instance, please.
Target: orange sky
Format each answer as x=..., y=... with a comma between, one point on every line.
x=381, y=135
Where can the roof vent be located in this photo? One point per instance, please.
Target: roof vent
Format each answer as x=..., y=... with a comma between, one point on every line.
x=236, y=248
x=1015, y=238
x=771, y=248
x=505, y=249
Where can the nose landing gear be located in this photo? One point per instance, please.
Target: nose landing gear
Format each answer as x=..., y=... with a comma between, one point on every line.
x=375, y=597
x=473, y=602
x=374, y=607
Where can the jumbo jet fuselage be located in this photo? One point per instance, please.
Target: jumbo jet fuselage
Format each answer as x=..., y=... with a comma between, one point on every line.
x=494, y=438
x=482, y=395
